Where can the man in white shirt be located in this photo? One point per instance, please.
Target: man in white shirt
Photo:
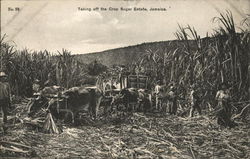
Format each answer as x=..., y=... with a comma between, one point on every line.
x=157, y=94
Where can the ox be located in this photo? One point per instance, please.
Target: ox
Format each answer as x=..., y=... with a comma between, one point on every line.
x=72, y=100
x=134, y=99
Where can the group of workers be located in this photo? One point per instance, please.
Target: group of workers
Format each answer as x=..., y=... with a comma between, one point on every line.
x=163, y=97
x=168, y=97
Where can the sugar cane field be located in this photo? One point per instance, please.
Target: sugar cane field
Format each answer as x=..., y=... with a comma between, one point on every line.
x=188, y=99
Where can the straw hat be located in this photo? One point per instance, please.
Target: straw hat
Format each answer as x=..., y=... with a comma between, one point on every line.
x=3, y=74
x=172, y=88
x=36, y=81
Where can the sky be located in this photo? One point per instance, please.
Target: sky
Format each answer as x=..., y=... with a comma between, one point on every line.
x=57, y=24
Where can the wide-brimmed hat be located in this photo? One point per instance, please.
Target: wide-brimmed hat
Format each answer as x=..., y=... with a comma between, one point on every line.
x=172, y=88
x=36, y=81
x=3, y=74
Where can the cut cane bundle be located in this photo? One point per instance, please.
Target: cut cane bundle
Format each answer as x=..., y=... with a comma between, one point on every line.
x=50, y=126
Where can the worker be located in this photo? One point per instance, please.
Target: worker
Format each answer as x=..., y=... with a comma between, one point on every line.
x=223, y=97
x=172, y=100
x=157, y=95
x=36, y=86
x=4, y=95
x=195, y=100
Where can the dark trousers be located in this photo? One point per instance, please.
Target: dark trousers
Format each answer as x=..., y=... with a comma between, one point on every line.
x=195, y=106
x=4, y=104
x=172, y=105
x=158, y=102
x=224, y=118
x=224, y=115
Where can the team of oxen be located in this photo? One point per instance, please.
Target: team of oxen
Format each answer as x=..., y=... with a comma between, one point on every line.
x=70, y=103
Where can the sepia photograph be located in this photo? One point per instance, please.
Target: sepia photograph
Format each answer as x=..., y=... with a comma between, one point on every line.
x=125, y=79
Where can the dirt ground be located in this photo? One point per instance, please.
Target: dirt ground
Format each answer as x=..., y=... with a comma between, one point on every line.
x=131, y=136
